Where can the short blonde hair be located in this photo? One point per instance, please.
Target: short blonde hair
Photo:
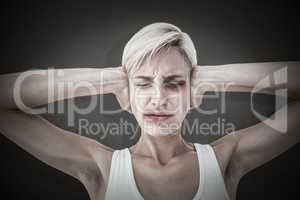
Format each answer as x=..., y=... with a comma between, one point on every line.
x=149, y=40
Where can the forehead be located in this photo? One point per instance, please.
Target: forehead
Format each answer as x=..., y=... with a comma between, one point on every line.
x=165, y=63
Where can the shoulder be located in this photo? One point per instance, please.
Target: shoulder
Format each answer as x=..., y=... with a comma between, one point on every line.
x=95, y=176
x=99, y=165
x=102, y=155
x=224, y=149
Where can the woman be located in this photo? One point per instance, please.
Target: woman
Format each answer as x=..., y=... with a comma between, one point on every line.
x=159, y=82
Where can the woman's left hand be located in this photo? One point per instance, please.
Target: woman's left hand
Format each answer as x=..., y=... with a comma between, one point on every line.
x=203, y=79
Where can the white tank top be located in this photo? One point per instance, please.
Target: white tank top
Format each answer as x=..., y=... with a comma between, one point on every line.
x=122, y=185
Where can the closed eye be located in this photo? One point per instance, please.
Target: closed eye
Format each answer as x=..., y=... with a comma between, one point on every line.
x=175, y=84
x=167, y=84
x=142, y=84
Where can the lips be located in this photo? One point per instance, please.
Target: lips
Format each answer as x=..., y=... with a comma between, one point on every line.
x=156, y=117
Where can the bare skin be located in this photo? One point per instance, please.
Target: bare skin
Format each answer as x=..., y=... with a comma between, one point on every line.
x=165, y=166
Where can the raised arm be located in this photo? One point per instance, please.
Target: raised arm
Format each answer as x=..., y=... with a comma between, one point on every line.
x=70, y=153
x=251, y=147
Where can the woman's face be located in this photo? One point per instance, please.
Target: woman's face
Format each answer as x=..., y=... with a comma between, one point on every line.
x=160, y=93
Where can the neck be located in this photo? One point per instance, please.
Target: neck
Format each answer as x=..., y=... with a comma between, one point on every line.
x=161, y=148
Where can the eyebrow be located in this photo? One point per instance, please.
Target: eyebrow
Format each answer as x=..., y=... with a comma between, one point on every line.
x=167, y=78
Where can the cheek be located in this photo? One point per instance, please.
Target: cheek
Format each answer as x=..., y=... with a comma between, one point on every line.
x=137, y=100
x=184, y=97
x=188, y=96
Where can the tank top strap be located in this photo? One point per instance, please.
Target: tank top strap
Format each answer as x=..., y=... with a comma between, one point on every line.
x=198, y=148
x=214, y=187
x=120, y=184
x=116, y=167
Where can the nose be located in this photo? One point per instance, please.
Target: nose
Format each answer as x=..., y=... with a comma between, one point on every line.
x=159, y=98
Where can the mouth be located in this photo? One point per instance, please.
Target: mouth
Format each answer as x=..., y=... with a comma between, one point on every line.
x=156, y=117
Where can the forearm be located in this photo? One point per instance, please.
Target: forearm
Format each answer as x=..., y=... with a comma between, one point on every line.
x=40, y=87
x=247, y=76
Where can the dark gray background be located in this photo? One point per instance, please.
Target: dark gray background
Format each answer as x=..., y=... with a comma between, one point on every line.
x=66, y=34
